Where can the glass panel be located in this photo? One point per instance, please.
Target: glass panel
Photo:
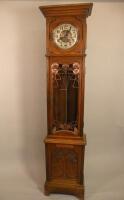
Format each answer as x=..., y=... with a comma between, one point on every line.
x=65, y=96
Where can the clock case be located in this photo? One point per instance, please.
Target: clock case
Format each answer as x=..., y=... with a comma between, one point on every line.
x=65, y=141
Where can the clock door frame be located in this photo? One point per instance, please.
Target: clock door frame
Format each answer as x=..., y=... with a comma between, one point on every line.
x=79, y=23
x=80, y=107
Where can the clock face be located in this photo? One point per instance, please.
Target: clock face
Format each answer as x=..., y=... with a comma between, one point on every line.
x=65, y=36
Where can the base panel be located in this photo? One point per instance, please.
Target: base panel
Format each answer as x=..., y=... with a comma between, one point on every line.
x=63, y=187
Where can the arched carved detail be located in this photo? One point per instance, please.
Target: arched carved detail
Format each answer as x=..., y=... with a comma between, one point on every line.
x=61, y=70
x=65, y=162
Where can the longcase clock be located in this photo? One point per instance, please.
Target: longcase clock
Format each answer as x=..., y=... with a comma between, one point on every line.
x=65, y=141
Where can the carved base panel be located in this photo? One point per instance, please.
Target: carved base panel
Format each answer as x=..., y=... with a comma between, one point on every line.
x=64, y=187
x=64, y=166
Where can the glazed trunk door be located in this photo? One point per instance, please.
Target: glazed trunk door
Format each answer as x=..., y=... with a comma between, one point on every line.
x=65, y=97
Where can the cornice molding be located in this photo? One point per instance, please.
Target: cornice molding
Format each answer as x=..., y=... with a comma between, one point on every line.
x=82, y=9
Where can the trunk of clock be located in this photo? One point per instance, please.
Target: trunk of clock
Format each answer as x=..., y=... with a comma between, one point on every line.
x=65, y=142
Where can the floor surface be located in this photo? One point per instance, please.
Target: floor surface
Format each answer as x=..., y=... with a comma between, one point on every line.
x=17, y=183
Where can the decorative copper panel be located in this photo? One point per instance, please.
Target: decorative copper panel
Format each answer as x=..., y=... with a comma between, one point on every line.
x=65, y=83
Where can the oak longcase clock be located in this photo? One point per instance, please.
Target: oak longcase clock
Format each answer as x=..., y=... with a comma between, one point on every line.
x=65, y=53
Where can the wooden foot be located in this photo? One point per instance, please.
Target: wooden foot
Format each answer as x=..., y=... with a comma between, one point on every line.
x=81, y=197
x=46, y=192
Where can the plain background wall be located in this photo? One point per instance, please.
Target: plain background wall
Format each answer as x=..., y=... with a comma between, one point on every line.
x=23, y=101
